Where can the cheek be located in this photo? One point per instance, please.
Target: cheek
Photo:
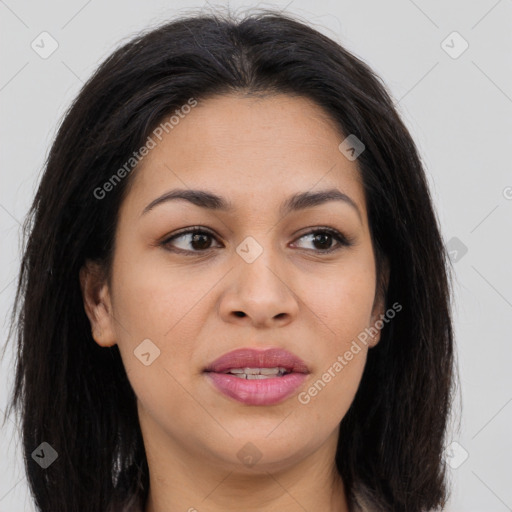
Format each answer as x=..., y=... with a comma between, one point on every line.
x=342, y=309
x=153, y=304
x=329, y=396
x=340, y=353
x=342, y=304
x=150, y=300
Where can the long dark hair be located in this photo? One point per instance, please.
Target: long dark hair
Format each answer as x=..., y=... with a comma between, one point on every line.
x=76, y=396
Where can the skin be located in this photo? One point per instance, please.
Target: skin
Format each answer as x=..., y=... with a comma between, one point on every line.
x=256, y=152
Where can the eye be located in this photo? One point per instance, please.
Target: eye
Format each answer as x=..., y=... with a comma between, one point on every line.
x=198, y=239
x=324, y=238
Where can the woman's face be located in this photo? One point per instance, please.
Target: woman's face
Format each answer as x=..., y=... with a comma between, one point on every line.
x=252, y=277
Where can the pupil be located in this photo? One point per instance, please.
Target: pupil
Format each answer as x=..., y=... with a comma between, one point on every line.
x=323, y=235
x=197, y=238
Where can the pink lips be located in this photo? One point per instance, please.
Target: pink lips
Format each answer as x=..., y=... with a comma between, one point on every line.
x=258, y=391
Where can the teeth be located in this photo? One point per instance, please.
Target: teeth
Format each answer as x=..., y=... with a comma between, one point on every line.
x=252, y=371
x=271, y=371
x=257, y=373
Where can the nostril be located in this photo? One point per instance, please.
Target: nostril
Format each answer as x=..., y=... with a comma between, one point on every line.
x=239, y=313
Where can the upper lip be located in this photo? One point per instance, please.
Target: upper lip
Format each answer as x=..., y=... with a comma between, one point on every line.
x=253, y=358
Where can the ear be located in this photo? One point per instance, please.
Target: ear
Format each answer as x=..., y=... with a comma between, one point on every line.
x=379, y=304
x=97, y=303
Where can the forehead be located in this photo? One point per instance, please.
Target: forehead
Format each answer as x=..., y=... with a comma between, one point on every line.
x=259, y=148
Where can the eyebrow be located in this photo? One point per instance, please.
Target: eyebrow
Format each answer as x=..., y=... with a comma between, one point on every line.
x=296, y=202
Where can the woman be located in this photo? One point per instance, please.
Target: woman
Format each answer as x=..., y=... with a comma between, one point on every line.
x=234, y=293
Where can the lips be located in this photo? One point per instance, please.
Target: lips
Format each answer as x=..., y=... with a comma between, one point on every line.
x=227, y=375
x=250, y=358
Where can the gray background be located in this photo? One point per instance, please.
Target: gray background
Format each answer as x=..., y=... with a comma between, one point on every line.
x=458, y=111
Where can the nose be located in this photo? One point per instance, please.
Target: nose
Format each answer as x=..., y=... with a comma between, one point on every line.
x=259, y=294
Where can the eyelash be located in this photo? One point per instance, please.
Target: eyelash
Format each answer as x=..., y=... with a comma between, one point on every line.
x=343, y=241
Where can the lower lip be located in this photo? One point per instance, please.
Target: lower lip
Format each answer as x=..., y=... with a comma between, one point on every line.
x=257, y=391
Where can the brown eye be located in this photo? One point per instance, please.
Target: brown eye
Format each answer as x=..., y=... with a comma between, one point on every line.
x=192, y=240
x=323, y=238
x=198, y=240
